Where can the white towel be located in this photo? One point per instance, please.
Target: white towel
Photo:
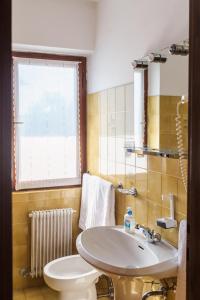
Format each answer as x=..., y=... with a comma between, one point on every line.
x=97, y=203
x=84, y=200
x=181, y=277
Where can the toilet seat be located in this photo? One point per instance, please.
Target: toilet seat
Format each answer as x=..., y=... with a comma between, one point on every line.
x=69, y=267
x=73, y=277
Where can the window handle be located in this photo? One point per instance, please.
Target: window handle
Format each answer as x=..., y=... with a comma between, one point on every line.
x=18, y=123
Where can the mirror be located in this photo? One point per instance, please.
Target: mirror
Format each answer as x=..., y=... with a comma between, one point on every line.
x=161, y=101
x=167, y=102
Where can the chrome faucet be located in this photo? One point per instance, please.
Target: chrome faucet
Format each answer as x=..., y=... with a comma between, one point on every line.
x=150, y=234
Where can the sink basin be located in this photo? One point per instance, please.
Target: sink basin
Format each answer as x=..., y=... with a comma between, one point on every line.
x=113, y=251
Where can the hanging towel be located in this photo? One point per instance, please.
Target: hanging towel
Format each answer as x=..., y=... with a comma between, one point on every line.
x=97, y=203
x=181, y=277
x=84, y=200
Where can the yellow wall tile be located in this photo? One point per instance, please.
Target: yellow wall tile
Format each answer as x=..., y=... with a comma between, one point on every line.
x=20, y=234
x=19, y=295
x=154, y=212
x=154, y=163
x=20, y=212
x=141, y=209
x=21, y=282
x=40, y=195
x=20, y=256
x=120, y=203
x=120, y=219
x=168, y=141
x=141, y=182
x=171, y=295
x=170, y=166
x=20, y=196
x=36, y=205
x=153, y=127
x=33, y=294
x=130, y=202
x=154, y=186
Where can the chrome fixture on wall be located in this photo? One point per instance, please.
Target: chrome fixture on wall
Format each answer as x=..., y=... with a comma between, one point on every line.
x=156, y=58
x=181, y=48
x=150, y=235
x=132, y=191
x=140, y=64
x=168, y=222
x=165, y=287
x=177, y=49
x=163, y=292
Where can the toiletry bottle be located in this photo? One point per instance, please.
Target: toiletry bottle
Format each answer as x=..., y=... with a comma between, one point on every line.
x=129, y=221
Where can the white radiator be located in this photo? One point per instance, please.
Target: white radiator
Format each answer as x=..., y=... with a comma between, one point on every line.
x=51, y=237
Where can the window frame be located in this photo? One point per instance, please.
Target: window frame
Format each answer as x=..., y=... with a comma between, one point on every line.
x=82, y=61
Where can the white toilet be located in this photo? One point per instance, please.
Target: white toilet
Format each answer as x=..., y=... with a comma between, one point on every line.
x=73, y=277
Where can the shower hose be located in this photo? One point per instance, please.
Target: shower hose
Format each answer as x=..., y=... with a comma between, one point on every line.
x=180, y=143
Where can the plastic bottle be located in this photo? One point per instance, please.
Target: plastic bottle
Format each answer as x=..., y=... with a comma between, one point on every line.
x=129, y=221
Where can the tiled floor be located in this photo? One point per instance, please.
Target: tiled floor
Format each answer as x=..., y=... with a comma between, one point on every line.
x=40, y=293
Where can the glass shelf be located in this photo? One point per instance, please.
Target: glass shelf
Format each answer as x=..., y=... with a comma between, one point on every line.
x=163, y=153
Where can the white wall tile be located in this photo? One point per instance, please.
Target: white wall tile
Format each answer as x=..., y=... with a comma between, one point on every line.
x=120, y=150
x=120, y=169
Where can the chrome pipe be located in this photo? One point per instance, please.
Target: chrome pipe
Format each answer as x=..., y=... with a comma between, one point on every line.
x=162, y=292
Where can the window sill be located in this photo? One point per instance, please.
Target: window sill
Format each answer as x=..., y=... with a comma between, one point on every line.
x=47, y=188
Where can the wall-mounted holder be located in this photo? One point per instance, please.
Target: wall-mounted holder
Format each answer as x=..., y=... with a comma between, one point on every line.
x=140, y=64
x=132, y=191
x=168, y=222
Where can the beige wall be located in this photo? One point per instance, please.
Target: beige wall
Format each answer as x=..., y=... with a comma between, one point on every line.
x=25, y=202
x=69, y=26
x=127, y=30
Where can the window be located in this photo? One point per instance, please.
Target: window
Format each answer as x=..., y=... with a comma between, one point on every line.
x=47, y=131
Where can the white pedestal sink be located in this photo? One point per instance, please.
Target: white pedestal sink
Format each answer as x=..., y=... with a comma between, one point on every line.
x=126, y=256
